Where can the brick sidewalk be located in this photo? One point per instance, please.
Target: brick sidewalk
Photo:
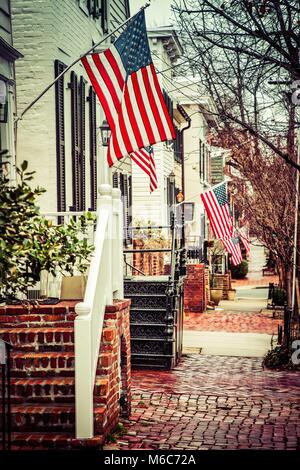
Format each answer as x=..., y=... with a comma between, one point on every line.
x=263, y=281
x=213, y=403
x=248, y=322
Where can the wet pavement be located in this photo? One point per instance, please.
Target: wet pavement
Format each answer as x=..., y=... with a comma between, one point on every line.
x=218, y=401
x=211, y=402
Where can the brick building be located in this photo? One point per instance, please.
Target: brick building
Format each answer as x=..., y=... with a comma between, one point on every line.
x=8, y=55
x=60, y=135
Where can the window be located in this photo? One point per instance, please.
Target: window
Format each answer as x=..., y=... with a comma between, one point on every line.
x=124, y=182
x=60, y=137
x=178, y=146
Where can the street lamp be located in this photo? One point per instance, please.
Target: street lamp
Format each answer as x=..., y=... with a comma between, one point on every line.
x=105, y=133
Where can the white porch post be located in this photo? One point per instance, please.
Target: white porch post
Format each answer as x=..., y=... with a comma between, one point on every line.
x=118, y=284
x=105, y=202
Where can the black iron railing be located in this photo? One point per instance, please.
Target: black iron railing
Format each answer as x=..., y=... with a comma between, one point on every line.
x=5, y=349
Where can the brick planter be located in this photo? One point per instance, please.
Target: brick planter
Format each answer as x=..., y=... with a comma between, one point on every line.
x=195, y=290
x=42, y=370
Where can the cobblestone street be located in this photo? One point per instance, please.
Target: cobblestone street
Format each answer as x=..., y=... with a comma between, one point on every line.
x=213, y=403
x=216, y=401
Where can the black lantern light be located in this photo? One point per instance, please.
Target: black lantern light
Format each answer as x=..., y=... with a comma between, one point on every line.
x=3, y=101
x=105, y=133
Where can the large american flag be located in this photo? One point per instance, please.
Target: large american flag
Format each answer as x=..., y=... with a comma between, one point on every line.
x=126, y=84
x=144, y=158
x=244, y=237
x=217, y=208
x=232, y=245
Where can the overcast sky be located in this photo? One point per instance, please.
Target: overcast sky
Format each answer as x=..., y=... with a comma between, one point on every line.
x=158, y=14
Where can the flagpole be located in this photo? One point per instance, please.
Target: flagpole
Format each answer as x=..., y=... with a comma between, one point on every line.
x=75, y=62
x=296, y=228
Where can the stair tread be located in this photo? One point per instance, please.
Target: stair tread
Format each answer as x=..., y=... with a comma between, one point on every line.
x=31, y=329
x=148, y=309
x=51, y=408
x=136, y=294
x=51, y=380
x=37, y=354
x=38, y=436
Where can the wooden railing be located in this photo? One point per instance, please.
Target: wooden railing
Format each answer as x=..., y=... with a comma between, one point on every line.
x=105, y=282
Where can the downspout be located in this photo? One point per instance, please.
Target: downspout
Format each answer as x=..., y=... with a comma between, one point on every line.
x=183, y=253
x=189, y=122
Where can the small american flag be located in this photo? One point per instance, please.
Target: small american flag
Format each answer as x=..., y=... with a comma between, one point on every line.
x=126, y=84
x=244, y=237
x=232, y=245
x=217, y=208
x=144, y=158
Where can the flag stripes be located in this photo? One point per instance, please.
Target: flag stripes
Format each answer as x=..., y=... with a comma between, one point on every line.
x=218, y=213
x=233, y=247
x=145, y=161
x=126, y=84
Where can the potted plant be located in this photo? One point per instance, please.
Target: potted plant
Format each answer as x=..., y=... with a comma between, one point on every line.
x=216, y=292
x=30, y=244
x=231, y=294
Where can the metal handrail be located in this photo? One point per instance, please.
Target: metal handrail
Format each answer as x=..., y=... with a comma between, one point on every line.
x=149, y=250
x=133, y=267
x=5, y=349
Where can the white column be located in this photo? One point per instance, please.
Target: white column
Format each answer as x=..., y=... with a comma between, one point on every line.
x=105, y=201
x=117, y=244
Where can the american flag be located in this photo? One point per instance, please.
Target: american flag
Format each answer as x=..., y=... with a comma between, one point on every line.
x=216, y=205
x=144, y=158
x=244, y=237
x=232, y=245
x=126, y=84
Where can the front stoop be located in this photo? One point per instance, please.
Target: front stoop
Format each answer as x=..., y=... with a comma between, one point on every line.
x=42, y=374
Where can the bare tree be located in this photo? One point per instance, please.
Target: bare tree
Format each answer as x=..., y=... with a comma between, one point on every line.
x=246, y=54
x=264, y=197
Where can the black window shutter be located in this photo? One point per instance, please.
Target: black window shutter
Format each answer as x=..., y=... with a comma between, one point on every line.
x=93, y=148
x=115, y=179
x=82, y=144
x=75, y=142
x=60, y=137
x=124, y=187
x=104, y=16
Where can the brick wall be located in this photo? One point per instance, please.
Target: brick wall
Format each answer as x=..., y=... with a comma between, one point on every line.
x=223, y=281
x=195, y=292
x=115, y=352
x=151, y=264
x=42, y=369
x=45, y=31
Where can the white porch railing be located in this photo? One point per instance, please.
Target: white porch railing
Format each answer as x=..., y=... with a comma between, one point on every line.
x=105, y=282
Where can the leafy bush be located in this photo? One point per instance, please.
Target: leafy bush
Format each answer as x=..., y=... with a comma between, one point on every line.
x=279, y=358
x=30, y=243
x=240, y=271
x=279, y=296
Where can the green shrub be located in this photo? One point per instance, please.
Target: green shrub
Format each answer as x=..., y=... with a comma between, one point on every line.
x=30, y=243
x=240, y=271
x=279, y=358
x=279, y=296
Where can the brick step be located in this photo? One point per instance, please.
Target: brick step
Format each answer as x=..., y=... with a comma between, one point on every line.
x=42, y=364
x=52, y=390
x=51, y=418
x=39, y=319
x=40, y=339
x=65, y=441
